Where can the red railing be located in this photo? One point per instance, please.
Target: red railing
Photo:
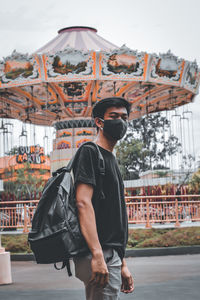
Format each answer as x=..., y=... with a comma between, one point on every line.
x=163, y=209
x=17, y=214
x=141, y=210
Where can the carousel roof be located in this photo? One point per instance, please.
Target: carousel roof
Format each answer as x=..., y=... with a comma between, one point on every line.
x=63, y=79
x=80, y=38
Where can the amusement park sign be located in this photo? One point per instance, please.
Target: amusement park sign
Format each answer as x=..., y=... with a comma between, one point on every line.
x=31, y=154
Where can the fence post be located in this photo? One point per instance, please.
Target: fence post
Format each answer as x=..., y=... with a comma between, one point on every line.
x=177, y=224
x=25, y=220
x=148, y=225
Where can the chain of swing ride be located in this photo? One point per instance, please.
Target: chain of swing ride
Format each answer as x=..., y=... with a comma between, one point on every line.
x=28, y=129
x=6, y=130
x=181, y=125
x=32, y=127
x=27, y=135
x=6, y=134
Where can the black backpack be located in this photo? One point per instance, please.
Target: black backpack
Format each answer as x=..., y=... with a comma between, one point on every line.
x=55, y=235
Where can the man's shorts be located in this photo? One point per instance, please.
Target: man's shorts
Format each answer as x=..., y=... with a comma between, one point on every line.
x=112, y=289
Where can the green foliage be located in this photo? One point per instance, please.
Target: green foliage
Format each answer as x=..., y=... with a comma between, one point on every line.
x=143, y=238
x=162, y=173
x=129, y=156
x=160, y=167
x=146, y=145
x=43, y=171
x=25, y=183
x=68, y=67
x=16, y=243
x=56, y=61
x=139, y=235
x=194, y=184
x=123, y=68
x=13, y=151
x=138, y=238
x=25, y=72
x=81, y=67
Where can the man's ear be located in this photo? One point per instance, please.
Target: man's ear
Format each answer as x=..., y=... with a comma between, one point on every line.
x=98, y=122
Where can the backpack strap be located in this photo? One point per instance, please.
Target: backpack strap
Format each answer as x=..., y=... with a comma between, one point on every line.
x=101, y=163
x=101, y=167
x=66, y=264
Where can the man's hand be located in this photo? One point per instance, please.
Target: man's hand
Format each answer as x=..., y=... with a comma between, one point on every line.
x=127, y=279
x=100, y=275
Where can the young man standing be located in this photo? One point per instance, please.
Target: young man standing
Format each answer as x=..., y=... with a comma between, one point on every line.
x=103, y=220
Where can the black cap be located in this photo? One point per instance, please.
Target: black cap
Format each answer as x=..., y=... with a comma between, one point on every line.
x=100, y=107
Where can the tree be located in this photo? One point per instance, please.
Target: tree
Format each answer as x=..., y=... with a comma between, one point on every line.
x=130, y=158
x=146, y=145
x=13, y=151
x=194, y=183
x=26, y=184
x=187, y=162
x=56, y=61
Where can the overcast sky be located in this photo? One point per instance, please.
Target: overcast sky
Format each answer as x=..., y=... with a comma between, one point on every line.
x=145, y=25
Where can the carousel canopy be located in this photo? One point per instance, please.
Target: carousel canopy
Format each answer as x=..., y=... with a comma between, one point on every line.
x=62, y=80
x=80, y=38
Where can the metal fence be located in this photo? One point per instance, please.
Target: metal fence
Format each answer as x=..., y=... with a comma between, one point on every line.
x=163, y=209
x=17, y=214
x=141, y=210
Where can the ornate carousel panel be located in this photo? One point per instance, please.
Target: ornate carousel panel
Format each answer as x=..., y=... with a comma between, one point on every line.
x=123, y=64
x=192, y=77
x=19, y=69
x=166, y=68
x=69, y=65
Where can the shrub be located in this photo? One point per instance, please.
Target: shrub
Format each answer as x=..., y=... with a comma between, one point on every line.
x=138, y=238
x=16, y=243
x=169, y=238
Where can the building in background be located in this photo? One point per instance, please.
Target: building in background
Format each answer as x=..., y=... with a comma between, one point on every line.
x=24, y=174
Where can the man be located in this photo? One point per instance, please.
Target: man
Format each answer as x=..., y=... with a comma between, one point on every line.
x=103, y=220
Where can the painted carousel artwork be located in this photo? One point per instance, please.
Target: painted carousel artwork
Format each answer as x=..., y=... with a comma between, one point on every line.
x=59, y=83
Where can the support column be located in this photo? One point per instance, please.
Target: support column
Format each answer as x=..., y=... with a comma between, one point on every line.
x=70, y=135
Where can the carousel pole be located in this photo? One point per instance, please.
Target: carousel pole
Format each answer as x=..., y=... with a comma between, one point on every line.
x=190, y=135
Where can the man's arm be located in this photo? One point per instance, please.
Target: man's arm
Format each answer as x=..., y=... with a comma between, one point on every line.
x=127, y=279
x=87, y=221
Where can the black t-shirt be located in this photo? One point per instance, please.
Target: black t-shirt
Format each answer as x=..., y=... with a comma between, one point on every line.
x=110, y=210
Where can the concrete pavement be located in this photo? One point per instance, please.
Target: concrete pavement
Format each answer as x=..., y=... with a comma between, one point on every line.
x=156, y=278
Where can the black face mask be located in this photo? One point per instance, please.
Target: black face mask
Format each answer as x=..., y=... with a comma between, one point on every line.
x=115, y=128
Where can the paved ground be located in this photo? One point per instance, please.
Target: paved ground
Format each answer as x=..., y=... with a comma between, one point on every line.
x=156, y=278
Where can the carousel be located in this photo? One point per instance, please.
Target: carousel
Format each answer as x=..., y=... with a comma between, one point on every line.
x=58, y=84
